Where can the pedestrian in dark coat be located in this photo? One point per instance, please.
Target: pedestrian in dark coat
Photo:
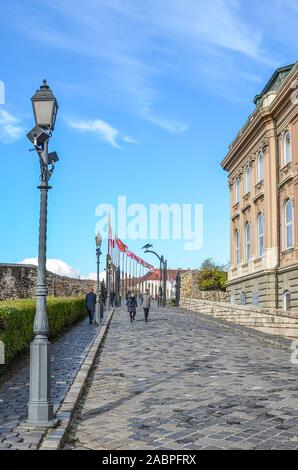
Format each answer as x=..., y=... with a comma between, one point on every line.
x=112, y=298
x=90, y=301
x=131, y=305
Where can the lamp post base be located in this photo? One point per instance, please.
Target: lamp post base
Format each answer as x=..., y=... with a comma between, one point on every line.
x=40, y=406
x=96, y=315
x=40, y=424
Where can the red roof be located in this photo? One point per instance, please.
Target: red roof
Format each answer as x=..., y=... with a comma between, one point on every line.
x=171, y=275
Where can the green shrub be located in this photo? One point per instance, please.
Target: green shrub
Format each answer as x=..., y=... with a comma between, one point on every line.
x=18, y=317
x=212, y=276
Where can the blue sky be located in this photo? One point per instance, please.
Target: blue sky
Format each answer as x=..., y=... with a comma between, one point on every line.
x=151, y=94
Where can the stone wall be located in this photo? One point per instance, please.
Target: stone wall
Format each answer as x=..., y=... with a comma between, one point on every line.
x=190, y=289
x=18, y=281
x=275, y=322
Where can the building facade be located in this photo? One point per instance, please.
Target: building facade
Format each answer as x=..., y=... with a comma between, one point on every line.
x=262, y=163
x=152, y=282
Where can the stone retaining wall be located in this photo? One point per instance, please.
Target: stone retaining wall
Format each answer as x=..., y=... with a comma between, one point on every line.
x=18, y=281
x=275, y=322
x=190, y=289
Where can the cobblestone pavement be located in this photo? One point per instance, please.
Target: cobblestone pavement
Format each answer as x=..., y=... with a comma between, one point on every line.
x=183, y=382
x=67, y=355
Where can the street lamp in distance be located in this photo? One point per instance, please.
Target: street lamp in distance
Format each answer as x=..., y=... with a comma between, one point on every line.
x=99, y=294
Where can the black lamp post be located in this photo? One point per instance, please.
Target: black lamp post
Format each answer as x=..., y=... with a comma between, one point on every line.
x=99, y=306
x=40, y=406
x=162, y=269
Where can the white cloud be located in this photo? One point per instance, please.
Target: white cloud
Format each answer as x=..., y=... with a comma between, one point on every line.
x=175, y=127
x=60, y=267
x=10, y=127
x=129, y=140
x=137, y=48
x=56, y=266
x=102, y=130
x=93, y=276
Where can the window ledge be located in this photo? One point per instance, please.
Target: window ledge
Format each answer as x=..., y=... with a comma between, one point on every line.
x=259, y=185
x=288, y=250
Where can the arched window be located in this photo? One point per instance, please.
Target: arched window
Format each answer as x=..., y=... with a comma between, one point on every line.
x=247, y=241
x=247, y=179
x=243, y=298
x=260, y=234
x=287, y=148
x=237, y=189
x=288, y=224
x=260, y=167
x=255, y=297
x=237, y=248
x=287, y=300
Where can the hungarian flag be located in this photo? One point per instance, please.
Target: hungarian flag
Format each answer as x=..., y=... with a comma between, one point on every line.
x=122, y=247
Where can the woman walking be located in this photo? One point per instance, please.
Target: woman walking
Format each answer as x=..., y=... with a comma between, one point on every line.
x=146, y=301
x=131, y=305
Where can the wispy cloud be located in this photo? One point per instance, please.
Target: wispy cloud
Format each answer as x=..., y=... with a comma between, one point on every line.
x=98, y=127
x=93, y=276
x=10, y=127
x=60, y=267
x=56, y=266
x=137, y=48
x=170, y=125
x=102, y=130
x=130, y=140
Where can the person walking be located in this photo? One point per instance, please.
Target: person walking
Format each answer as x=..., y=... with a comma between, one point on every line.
x=113, y=297
x=131, y=305
x=146, y=302
x=90, y=301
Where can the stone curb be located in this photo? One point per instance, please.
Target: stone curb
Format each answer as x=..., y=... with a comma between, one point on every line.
x=274, y=340
x=54, y=438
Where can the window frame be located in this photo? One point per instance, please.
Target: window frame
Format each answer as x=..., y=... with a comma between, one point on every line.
x=287, y=148
x=260, y=167
x=237, y=190
x=247, y=179
x=247, y=241
x=237, y=247
x=287, y=300
x=261, y=235
x=288, y=224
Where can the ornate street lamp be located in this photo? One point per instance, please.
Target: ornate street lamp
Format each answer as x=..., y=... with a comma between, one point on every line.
x=99, y=294
x=45, y=107
x=108, y=280
x=40, y=406
x=162, y=295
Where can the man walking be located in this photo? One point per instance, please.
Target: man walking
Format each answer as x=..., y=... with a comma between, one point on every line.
x=90, y=301
x=146, y=300
x=112, y=297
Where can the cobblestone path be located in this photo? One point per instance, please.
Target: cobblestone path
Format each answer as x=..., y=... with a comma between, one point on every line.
x=67, y=355
x=183, y=382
